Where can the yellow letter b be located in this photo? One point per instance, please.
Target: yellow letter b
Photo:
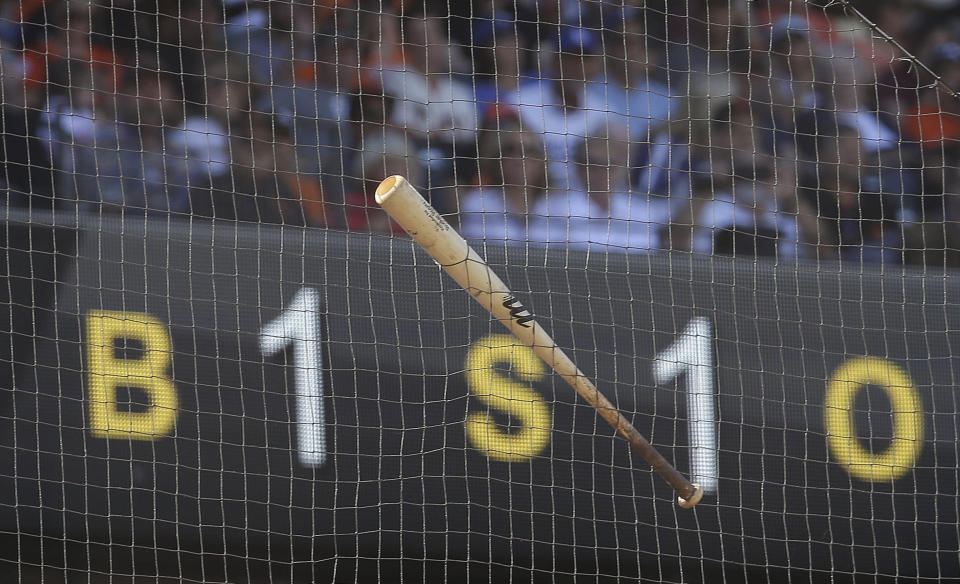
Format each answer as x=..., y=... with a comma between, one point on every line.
x=146, y=372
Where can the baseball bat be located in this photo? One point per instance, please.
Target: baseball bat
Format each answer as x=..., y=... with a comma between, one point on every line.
x=451, y=251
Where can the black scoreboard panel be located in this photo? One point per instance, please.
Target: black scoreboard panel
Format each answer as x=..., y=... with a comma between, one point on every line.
x=333, y=401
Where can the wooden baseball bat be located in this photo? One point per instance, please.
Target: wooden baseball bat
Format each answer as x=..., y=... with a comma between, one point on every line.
x=408, y=208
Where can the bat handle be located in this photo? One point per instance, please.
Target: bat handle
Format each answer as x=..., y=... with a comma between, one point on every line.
x=689, y=502
x=688, y=493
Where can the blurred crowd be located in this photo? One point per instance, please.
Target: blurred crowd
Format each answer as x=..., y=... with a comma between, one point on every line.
x=784, y=128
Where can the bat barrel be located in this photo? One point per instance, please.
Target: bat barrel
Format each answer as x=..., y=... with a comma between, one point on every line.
x=408, y=208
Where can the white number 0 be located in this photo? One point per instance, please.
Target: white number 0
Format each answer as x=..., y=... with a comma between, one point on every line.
x=692, y=354
x=298, y=325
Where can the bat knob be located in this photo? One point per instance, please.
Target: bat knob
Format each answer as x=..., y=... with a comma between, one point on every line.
x=693, y=499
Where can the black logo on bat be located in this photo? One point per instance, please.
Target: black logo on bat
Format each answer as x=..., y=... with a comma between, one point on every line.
x=517, y=310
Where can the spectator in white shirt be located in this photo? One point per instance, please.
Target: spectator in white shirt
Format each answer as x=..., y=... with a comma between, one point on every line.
x=600, y=214
x=203, y=137
x=88, y=147
x=761, y=215
x=572, y=103
x=513, y=177
x=650, y=104
x=433, y=105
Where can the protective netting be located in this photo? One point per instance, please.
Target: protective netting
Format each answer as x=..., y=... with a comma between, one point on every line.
x=223, y=362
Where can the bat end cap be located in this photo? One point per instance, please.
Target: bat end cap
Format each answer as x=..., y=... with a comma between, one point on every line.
x=693, y=499
x=388, y=187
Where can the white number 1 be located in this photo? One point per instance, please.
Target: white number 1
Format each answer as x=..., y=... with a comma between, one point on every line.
x=692, y=354
x=298, y=325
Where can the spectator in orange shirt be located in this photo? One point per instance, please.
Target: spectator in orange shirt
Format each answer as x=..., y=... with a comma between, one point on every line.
x=936, y=121
x=70, y=38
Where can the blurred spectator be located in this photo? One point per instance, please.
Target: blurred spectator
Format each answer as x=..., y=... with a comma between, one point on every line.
x=500, y=91
x=25, y=171
x=654, y=117
x=249, y=31
x=936, y=121
x=888, y=163
x=747, y=196
x=303, y=96
x=599, y=214
x=897, y=79
x=802, y=83
x=863, y=215
x=89, y=148
x=569, y=103
x=855, y=106
x=935, y=242
x=513, y=182
x=67, y=41
x=158, y=180
x=394, y=154
x=370, y=127
x=380, y=149
x=384, y=154
x=432, y=104
x=761, y=214
x=259, y=186
x=11, y=16
x=650, y=103
x=203, y=137
x=708, y=66
x=661, y=170
x=190, y=37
